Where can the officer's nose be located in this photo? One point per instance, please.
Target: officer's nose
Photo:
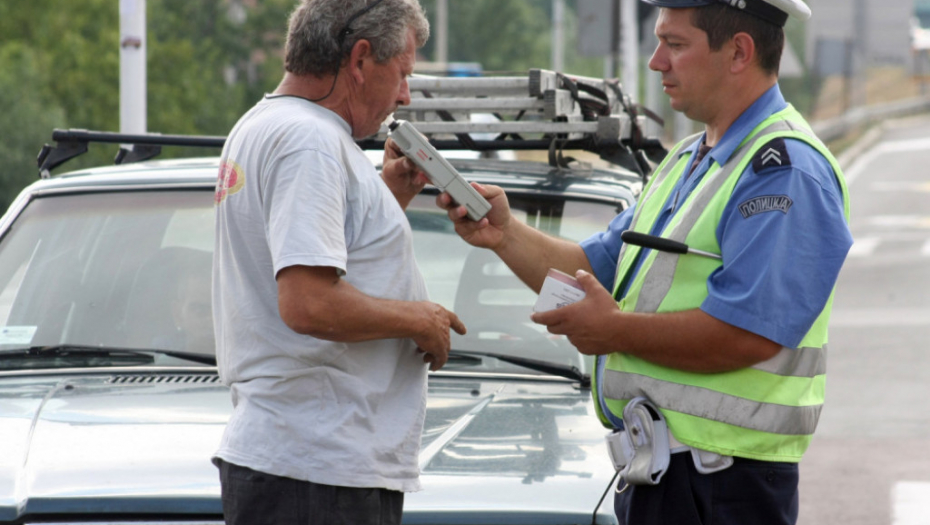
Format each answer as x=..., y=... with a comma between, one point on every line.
x=657, y=62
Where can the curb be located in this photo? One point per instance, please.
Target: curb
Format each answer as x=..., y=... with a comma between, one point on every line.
x=871, y=137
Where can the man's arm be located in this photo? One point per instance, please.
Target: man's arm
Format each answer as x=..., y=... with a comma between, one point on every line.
x=528, y=252
x=690, y=340
x=315, y=301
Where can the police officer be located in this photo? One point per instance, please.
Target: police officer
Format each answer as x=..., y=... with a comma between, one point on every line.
x=728, y=354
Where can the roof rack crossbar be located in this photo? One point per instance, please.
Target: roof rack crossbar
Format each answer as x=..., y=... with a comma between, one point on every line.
x=475, y=86
x=605, y=128
x=490, y=104
x=70, y=143
x=158, y=139
x=523, y=112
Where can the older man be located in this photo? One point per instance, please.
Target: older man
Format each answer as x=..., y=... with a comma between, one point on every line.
x=324, y=333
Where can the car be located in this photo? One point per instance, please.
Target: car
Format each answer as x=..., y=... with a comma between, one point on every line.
x=110, y=403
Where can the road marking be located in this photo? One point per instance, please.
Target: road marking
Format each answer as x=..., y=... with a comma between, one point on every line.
x=880, y=317
x=867, y=246
x=911, y=500
x=907, y=186
x=900, y=221
x=900, y=146
x=864, y=247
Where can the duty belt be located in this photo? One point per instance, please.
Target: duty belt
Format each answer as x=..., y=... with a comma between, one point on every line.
x=641, y=451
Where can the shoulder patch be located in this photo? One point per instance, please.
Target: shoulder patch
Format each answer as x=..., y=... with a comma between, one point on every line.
x=764, y=204
x=773, y=155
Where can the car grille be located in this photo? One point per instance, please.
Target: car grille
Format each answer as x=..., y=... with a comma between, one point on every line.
x=165, y=379
x=127, y=522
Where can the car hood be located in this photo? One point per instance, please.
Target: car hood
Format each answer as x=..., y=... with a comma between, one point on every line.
x=140, y=445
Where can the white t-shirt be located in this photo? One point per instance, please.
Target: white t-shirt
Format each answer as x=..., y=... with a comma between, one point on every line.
x=295, y=189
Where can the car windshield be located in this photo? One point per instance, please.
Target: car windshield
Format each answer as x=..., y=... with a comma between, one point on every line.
x=131, y=270
x=127, y=270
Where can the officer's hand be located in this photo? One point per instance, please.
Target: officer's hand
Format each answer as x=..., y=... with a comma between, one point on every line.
x=489, y=231
x=401, y=175
x=587, y=323
x=434, y=339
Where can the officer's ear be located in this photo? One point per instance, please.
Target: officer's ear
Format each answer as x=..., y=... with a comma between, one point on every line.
x=742, y=52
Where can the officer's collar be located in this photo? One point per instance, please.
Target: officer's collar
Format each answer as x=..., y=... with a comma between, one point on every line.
x=769, y=103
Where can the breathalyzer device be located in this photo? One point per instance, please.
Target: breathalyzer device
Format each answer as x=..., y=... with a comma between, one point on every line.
x=445, y=177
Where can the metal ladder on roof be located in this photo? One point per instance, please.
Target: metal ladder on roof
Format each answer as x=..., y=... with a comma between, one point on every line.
x=540, y=110
x=541, y=102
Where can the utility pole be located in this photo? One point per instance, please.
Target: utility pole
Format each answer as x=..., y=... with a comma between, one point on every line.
x=629, y=46
x=558, y=35
x=442, y=33
x=612, y=58
x=861, y=62
x=132, y=67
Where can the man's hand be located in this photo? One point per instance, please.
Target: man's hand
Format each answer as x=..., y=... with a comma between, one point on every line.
x=686, y=340
x=434, y=339
x=315, y=301
x=401, y=175
x=489, y=232
x=588, y=323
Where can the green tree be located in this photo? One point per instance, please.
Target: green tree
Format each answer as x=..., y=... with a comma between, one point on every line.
x=209, y=61
x=72, y=76
x=27, y=119
x=515, y=38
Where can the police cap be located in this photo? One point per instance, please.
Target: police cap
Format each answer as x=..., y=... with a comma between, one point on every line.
x=774, y=11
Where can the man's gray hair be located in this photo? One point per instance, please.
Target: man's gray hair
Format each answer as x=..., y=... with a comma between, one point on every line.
x=320, y=35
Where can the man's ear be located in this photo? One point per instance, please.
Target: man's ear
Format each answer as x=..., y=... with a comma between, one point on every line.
x=361, y=52
x=743, y=52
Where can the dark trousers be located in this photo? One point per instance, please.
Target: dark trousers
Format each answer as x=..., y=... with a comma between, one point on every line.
x=748, y=493
x=255, y=498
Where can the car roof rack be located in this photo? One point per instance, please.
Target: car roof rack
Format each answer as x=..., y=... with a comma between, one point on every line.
x=542, y=110
x=70, y=143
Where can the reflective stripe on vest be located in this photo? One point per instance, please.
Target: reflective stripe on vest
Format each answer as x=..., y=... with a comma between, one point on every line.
x=765, y=412
x=708, y=404
x=656, y=184
x=662, y=270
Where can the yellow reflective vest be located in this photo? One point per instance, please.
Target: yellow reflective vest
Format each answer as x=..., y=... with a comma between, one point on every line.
x=766, y=412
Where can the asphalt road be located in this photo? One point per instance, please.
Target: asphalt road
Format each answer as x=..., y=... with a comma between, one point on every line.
x=869, y=463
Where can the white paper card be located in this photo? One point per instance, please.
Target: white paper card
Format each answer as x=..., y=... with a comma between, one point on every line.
x=558, y=290
x=17, y=335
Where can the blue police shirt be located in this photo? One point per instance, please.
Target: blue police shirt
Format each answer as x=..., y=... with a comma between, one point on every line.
x=780, y=263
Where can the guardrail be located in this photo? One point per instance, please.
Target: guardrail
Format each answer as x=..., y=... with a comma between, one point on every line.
x=858, y=118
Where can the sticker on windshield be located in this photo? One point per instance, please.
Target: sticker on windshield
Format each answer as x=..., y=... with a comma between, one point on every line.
x=17, y=335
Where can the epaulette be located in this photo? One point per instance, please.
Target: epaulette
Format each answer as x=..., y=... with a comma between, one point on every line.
x=772, y=155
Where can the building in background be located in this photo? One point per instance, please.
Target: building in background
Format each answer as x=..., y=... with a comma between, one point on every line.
x=879, y=29
x=859, y=52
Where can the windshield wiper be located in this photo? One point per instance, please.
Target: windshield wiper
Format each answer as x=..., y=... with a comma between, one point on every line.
x=189, y=356
x=545, y=367
x=67, y=350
